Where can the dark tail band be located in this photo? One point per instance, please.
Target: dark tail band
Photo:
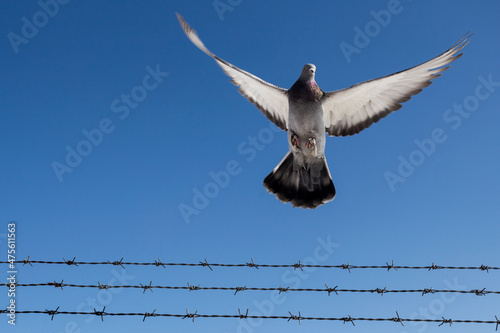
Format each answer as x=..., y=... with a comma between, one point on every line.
x=302, y=187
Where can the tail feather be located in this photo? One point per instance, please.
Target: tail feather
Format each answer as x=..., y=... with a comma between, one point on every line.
x=306, y=188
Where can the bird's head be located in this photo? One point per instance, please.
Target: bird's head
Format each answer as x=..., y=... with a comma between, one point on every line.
x=308, y=72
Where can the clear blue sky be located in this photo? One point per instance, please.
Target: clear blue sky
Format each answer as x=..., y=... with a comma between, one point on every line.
x=183, y=121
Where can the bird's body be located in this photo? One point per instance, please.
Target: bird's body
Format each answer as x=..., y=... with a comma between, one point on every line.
x=303, y=178
x=307, y=114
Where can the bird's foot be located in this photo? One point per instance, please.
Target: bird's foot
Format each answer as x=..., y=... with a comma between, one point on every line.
x=295, y=141
x=310, y=143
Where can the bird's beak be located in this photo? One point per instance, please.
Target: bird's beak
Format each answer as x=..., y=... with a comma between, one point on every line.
x=311, y=70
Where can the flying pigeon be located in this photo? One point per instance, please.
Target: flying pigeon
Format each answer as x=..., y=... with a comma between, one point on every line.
x=306, y=112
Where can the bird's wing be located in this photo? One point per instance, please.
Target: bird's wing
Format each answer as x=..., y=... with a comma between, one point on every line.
x=271, y=100
x=349, y=111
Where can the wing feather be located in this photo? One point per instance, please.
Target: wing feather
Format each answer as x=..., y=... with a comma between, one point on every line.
x=349, y=111
x=271, y=100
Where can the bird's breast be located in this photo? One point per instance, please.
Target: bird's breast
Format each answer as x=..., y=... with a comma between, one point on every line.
x=305, y=92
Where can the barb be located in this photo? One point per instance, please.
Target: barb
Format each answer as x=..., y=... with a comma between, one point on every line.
x=99, y=286
x=252, y=264
x=27, y=261
x=446, y=321
x=10, y=283
x=190, y=315
x=397, y=319
x=101, y=313
x=346, y=267
x=52, y=313
x=331, y=289
x=348, y=319
x=159, y=263
x=427, y=291
x=433, y=267
x=246, y=315
x=293, y=317
x=280, y=289
x=116, y=263
x=205, y=264
x=288, y=317
x=69, y=262
x=298, y=265
x=283, y=290
x=479, y=292
x=191, y=288
x=57, y=284
x=240, y=289
x=381, y=291
x=391, y=266
x=147, y=314
x=146, y=287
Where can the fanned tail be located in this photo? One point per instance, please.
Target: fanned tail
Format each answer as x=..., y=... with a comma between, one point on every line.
x=302, y=187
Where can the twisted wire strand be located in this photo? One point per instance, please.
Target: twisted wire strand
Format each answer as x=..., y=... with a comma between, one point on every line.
x=336, y=290
x=299, y=317
x=252, y=264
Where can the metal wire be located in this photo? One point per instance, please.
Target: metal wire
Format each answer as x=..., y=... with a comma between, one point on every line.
x=252, y=264
x=299, y=317
x=336, y=290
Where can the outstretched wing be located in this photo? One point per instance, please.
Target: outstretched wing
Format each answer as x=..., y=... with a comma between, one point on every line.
x=271, y=100
x=349, y=111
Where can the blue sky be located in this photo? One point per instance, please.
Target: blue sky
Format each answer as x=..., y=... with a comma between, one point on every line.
x=152, y=119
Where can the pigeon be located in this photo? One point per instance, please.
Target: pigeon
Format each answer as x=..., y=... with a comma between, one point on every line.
x=307, y=113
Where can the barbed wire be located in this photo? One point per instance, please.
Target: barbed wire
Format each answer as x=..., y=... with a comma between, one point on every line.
x=252, y=264
x=240, y=315
x=280, y=289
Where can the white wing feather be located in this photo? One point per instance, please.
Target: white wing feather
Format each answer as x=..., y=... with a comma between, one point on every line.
x=350, y=110
x=271, y=100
